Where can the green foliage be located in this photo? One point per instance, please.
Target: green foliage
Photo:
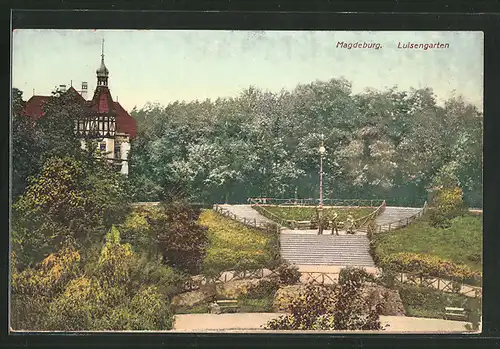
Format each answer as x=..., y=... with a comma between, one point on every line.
x=59, y=295
x=389, y=143
x=331, y=308
x=427, y=265
x=447, y=204
x=352, y=311
x=474, y=308
x=70, y=200
x=182, y=242
x=428, y=302
x=461, y=243
x=287, y=274
x=265, y=288
x=234, y=246
x=147, y=271
x=51, y=136
x=256, y=305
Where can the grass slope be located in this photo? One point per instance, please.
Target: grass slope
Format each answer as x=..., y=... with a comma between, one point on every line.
x=233, y=245
x=461, y=243
x=428, y=302
x=308, y=213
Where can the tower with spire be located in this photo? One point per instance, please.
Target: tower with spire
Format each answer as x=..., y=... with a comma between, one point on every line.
x=103, y=72
x=100, y=111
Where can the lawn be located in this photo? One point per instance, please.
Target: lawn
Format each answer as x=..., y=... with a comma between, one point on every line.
x=233, y=245
x=461, y=243
x=308, y=213
x=428, y=302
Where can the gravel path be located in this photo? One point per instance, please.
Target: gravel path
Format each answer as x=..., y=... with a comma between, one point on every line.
x=251, y=322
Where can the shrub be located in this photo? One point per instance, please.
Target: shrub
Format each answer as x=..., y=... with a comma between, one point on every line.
x=428, y=302
x=331, y=308
x=69, y=199
x=446, y=204
x=352, y=311
x=287, y=274
x=427, y=265
x=181, y=240
x=264, y=288
x=33, y=289
x=58, y=295
x=305, y=309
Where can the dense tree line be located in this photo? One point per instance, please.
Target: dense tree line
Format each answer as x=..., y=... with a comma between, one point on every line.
x=379, y=144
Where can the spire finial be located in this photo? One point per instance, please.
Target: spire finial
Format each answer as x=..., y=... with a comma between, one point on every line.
x=102, y=72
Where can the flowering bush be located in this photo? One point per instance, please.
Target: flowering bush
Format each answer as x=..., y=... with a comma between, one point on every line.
x=234, y=246
x=446, y=204
x=427, y=265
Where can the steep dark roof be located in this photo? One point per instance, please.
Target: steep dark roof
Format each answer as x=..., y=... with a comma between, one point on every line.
x=34, y=106
x=101, y=103
x=124, y=122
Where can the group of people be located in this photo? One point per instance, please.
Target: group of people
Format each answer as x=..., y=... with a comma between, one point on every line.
x=330, y=221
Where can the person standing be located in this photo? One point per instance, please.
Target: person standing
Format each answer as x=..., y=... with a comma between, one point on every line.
x=334, y=223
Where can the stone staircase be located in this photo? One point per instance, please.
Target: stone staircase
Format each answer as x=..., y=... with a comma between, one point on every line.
x=395, y=217
x=332, y=250
x=341, y=250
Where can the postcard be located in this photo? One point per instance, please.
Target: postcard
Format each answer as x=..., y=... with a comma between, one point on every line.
x=246, y=181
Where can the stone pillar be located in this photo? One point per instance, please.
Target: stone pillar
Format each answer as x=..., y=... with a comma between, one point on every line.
x=124, y=150
x=110, y=147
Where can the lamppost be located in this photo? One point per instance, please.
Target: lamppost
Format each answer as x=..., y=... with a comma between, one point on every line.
x=320, y=210
x=321, y=153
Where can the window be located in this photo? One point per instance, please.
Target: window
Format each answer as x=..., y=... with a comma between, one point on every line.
x=117, y=151
x=102, y=146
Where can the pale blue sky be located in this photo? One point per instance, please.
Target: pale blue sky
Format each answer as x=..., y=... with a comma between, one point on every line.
x=164, y=66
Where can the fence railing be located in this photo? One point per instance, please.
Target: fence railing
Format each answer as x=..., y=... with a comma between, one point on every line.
x=196, y=282
x=448, y=286
x=401, y=223
x=315, y=202
x=361, y=222
x=250, y=222
x=329, y=278
x=354, y=203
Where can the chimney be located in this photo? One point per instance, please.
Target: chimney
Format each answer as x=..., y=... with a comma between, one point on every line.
x=84, y=89
x=62, y=88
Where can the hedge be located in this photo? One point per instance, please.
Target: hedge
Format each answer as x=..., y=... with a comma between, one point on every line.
x=427, y=265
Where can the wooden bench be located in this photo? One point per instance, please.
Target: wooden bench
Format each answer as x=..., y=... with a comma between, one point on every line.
x=228, y=305
x=455, y=314
x=302, y=225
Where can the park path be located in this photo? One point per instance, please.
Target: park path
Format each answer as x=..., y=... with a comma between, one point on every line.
x=252, y=322
x=246, y=213
x=395, y=217
x=306, y=247
x=327, y=253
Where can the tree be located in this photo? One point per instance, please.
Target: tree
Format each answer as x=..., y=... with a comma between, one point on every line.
x=181, y=240
x=70, y=200
x=57, y=294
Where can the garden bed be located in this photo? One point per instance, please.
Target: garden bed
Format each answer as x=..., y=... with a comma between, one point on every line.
x=460, y=244
x=235, y=246
x=428, y=302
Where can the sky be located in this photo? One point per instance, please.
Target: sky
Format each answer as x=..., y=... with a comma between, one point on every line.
x=167, y=65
